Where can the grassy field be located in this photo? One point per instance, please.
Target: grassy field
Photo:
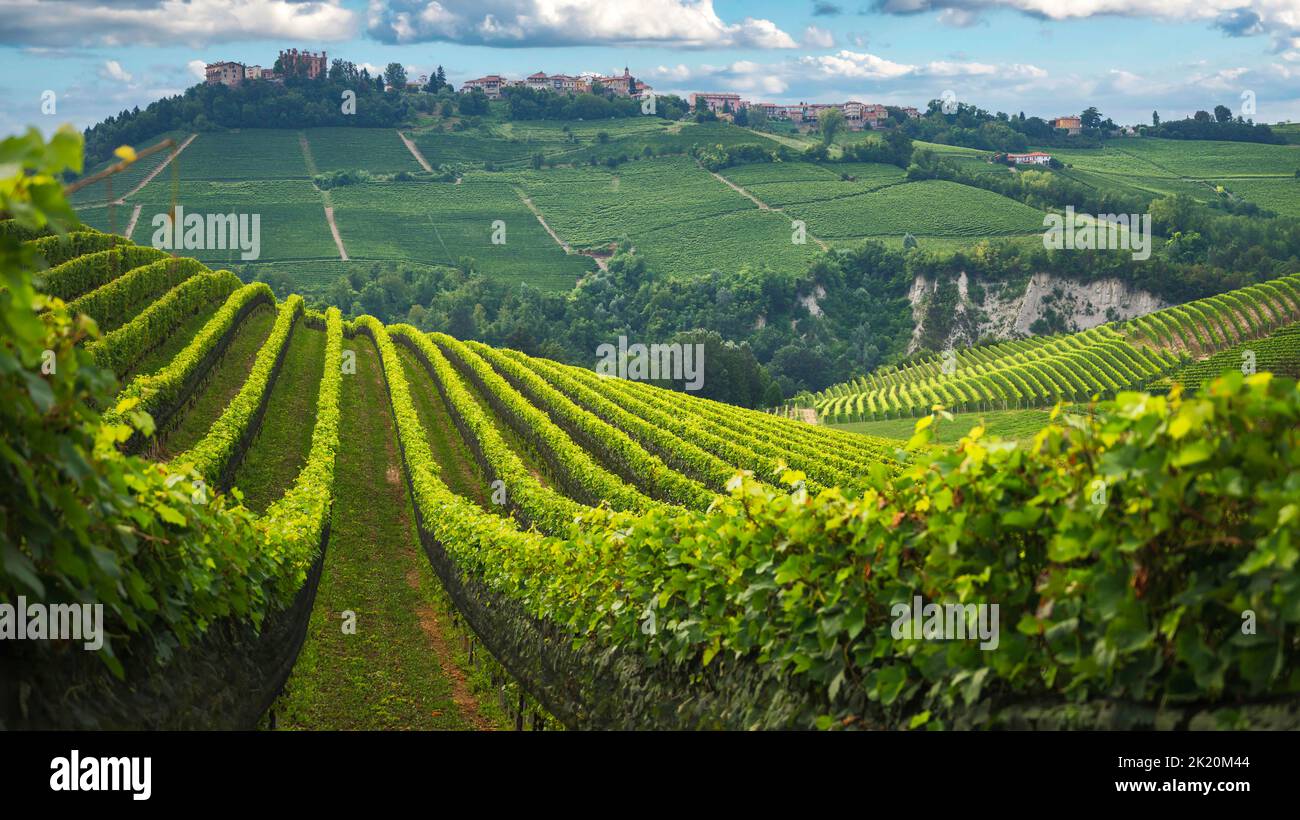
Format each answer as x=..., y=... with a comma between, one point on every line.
x=440, y=222
x=675, y=213
x=1280, y=194
x=1010, y=424
x=378, y=150
x=926, y=208
x=786, y=183
x=1254, y=171
x=249, y=154
x=292, y=218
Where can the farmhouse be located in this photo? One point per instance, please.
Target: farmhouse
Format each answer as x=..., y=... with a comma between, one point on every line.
x=225, y=73
x=719, y=102
x=491, y=85
x=1032, y=158
x=1071, y=125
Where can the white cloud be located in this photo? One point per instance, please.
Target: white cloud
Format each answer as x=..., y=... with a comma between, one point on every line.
x=197, y=69
x=112, y=70
x=814, y=37
x=166, y=22
x=1234, y=17
x=959, y=18
x=541, y=23
x=855, y=65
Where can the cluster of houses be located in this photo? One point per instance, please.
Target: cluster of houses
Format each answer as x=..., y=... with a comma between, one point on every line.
x=292, y=63
x=856, y=114
x=623, y=86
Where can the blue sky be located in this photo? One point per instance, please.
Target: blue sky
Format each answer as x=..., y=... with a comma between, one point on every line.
x=1045, y=57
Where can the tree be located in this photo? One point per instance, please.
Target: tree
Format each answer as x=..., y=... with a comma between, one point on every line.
x=395, y=74
x=442, y=77
x=474, y=103
x=830, y=121
x=1090, y=118
x=1201, y=116
x=1222, y=113
x=1155, y=118
x=436, y=82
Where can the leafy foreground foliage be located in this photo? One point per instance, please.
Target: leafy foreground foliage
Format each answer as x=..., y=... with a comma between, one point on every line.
x=84, y=523
x=1123, y=549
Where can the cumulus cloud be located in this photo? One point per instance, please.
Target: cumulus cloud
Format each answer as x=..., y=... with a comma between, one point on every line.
x=542, y=23
x=165, y=22
x=814, y=37
x=197, y=69
x=112, y=70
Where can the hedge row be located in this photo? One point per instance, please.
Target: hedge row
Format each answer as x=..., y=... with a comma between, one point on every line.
x=764, y=465
x=56, y=250
x=795, y=442
x=582, y=478
x=683, y=455
x=160, y=393
x=215, y=455
x=764, y=435
x=535, y=503
x=122, y=348
x=526, y=595
x=293, y=526
x=1108, y=587
x=624, y=455
x=113, y=304
x=81, y=275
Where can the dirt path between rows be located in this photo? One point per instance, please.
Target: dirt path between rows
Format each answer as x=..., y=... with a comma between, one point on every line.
x=310, y=162
x=415, y=152
x=461, y=695
x=762, y=206
x=600, y=262
x=130, y=226
x=334, y=229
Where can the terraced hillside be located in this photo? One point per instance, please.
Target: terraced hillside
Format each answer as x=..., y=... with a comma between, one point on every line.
x=629, y=556
x=1043, y=370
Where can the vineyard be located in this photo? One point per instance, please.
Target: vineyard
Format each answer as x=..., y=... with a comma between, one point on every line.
x=1043, y=370
x=233, y=475
x=634, y=557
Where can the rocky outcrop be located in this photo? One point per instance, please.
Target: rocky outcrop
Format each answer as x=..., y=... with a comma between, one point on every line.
x=1004, y=311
